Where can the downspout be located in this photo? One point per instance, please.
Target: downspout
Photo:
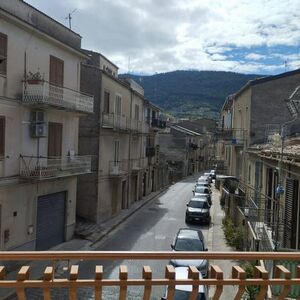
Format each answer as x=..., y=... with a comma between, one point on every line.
x=129, y=149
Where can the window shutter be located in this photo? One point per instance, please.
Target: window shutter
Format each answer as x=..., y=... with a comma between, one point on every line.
x=2, y=136
x=3, y=53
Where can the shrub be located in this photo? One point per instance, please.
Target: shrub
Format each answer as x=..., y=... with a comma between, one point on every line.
x=234, y=236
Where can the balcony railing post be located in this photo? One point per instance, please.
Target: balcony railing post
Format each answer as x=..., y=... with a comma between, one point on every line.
x=123, y=276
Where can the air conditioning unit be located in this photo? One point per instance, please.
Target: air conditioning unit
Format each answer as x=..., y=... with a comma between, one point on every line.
x=38, y=126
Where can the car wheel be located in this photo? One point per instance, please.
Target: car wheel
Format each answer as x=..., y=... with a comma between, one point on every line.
x=187, y=220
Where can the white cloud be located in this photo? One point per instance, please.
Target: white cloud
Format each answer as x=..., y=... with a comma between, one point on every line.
x=160, y=35
x=255, y=56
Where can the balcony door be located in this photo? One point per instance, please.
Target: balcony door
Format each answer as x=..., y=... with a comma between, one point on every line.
x=54, y=139
x=56, y=78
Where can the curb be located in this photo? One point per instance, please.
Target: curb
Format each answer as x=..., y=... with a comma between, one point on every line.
x=109, y=230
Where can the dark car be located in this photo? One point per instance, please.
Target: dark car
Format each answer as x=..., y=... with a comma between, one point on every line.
x=190, y=240
x=198, y=209
x=201, y=191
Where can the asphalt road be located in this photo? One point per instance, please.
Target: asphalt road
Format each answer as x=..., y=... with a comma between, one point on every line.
x=152, y=228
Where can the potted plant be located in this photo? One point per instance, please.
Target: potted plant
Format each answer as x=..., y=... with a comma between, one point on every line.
x=34, y=78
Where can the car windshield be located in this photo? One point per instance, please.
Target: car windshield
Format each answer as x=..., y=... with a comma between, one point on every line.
x=201, y=190
x=198, y=204
x=185, y=244
x=185, y=295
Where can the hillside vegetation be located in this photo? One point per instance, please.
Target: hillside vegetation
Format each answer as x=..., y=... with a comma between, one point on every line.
x=191, y=93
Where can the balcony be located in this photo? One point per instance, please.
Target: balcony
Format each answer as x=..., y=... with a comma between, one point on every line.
x=118, y=168
x=114, y=121
x=42, y=93
x=280, y=283
x=41, y=168
x=156, y=123
x=233, y=136
x=136, y=126
x=138, y=164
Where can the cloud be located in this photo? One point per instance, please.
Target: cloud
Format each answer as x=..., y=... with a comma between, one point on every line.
x=255, y=56
x=160, y=36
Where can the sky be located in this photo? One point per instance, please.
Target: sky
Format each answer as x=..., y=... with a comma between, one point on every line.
x=155, y=36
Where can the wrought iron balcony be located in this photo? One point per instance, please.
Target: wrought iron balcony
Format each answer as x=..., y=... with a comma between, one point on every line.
x=280, y=283
x=40, y=168
x=43, y=93
x=118, y=168
x=156, y=123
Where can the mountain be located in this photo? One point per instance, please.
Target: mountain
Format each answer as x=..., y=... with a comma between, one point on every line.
x=191, y=93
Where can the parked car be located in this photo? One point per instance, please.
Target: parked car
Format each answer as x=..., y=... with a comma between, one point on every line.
x=204, y=178
x=209, y=175
x=203, y=183
x=213, y=174
x=190, y=240
x=201, y=191
x=183, y=292
x=198, y=209
x=207, y=197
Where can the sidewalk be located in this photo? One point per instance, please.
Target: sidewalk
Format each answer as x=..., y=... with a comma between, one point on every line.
x=89, y=235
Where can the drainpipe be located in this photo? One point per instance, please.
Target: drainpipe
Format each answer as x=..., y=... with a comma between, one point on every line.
x=129, y=150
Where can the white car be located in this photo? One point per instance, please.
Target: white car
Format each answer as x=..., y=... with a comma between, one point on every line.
x=183, y=292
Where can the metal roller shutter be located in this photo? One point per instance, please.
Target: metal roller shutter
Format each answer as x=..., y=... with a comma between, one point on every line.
x=290, y=214
x=50, y=228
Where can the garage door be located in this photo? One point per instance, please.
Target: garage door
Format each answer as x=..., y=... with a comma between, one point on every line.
x=50, y=229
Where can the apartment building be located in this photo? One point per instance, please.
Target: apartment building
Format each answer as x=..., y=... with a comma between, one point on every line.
x=257, y=138
x=118, y=138
x=40, y=107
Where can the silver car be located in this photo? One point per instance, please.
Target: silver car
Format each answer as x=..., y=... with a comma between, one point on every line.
x=190, y=240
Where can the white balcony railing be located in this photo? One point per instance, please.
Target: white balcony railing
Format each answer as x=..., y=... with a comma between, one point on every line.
x=43, y=93
x=138, y=163
x=117, y=168
x=114, y=121
x=33, y=167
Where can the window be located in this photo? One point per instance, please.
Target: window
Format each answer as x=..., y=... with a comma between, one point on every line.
x=56, y=75
x=116, y=151
x=106, y=102
x=55, y=139
x=3, y=53
x=118, y=108
x=136, y=112
x=2, y=136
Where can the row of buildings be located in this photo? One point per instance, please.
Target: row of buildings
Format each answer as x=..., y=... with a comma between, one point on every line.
x=258, y=142
x=75, y=139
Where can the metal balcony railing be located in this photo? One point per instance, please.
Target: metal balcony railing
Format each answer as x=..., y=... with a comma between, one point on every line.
x=33, y=167
x=117, y=168
x=41, y=92
x=279, y=283
x=232, y=135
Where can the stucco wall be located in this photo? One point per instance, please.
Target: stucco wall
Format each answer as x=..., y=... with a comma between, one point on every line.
x=22, y=199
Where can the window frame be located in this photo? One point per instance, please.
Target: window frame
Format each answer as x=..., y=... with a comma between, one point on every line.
x=2, y=136
x=3, y=64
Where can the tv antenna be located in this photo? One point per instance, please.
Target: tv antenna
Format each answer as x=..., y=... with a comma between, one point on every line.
x=69, y=17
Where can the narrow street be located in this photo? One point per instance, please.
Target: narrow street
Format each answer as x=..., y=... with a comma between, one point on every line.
x=153, y=228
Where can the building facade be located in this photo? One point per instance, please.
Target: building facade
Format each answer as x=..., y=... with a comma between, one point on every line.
x=40, y=106
x=120, y=139
x=260, y=150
